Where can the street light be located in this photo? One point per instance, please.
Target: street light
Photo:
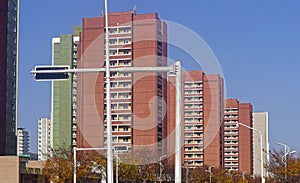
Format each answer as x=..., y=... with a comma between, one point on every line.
x=210, y=173
x=117, y=167
x=186, y=166
x=261, y=150
x=161, y=167
x=243, y=175
x=108, y=103
x=283, y=158
x=228, y=172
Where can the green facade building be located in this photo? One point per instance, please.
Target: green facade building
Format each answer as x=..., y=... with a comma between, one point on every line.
x=64, y=52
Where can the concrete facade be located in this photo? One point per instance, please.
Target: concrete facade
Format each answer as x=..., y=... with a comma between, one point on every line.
x=260, y=122
x=9, y=14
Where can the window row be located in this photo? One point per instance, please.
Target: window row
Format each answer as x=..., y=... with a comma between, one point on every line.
x=193, y=84
x=119, y=30
x=125, y=95
x=193, y=141
x=120, y=106
x=119, y=128
x=193, y=113
x=189, y=99
x=191, y=106
x=118, y=52
x=193, y=148
x=119, y=139
x=116, y=63
x=193, y=127
x=120, y=117
x=119, y=41
x=120, y=74
x=193, y=92
x=193, y=120
x=193, y=134
x=120, y=84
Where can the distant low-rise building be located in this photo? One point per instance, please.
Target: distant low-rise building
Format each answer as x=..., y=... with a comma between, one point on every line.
x=18, y=169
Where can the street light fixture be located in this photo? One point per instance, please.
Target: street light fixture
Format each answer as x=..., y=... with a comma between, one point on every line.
x=228, y=172
x=287, y=152
x=186, y=166
x=243, y=175
x=108, y=102
x=118, y=160
x=261, y=150
x=161, y=167
x=210, y=173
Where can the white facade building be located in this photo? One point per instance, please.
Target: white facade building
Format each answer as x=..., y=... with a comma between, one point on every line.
x=260, y=122
x=23, y=141
x=44, y=138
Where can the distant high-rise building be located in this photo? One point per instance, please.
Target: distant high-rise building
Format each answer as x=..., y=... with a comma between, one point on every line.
x=9, y=26
x=137, y=98
x=261, y=123
x=45, y=128
x=23, y=141
x=237, y=141
x=203, y=106
x=64, y=94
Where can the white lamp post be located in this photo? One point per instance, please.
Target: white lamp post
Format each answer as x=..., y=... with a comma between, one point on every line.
x=108, y=102
x=210, y=174
x=118, y=161
x=176, y=68
x=283, y=158
x=261, y=150
x=186, y=166
x=161, y=166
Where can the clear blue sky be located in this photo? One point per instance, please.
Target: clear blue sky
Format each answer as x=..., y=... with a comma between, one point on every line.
x=256, y=42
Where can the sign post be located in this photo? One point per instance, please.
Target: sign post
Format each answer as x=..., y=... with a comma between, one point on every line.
x=63, y=74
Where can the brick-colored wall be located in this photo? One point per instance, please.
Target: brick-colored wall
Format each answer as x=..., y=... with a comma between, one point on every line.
x=212, y=114
x=213, y=110
x=90, y=116
x=245, y=139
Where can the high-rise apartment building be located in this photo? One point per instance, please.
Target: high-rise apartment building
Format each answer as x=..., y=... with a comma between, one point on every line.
x=64, y=93
x=23, y=141
x=45, y=130
x=261, y=123
x=237, y=141
x=203, y=105
x=137, y=99
x=9, y=15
